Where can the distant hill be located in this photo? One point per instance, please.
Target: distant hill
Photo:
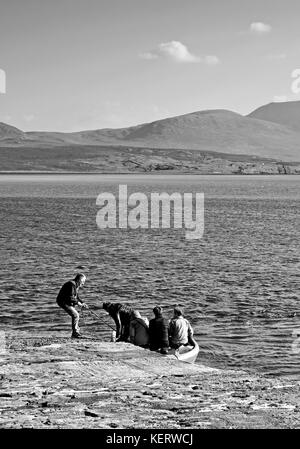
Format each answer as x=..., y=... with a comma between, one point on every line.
x=218, y=131
x=286, y=113
x=215, y=130
x=10, y=133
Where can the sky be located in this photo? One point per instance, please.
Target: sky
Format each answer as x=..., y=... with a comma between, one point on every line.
x=72, y=65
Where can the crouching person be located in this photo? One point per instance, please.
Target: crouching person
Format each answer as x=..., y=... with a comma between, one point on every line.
x=121, y=314
x=139, y=330
x=158, y=332
x=180, y=330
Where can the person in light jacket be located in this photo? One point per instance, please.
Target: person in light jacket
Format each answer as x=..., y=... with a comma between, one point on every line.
x=139, y=330
x=180, y=330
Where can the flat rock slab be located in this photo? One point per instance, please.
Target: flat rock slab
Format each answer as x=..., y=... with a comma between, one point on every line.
x=51, y=381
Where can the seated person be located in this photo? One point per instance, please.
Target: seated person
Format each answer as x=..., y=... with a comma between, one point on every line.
x=158, y=332
x=121, y=314
x=180, y=330
x=139, y=330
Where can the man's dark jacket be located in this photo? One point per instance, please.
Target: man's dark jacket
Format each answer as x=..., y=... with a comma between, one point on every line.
x=68, y=294
x=158, y=333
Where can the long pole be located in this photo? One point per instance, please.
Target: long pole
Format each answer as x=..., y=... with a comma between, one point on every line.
x=101, y=319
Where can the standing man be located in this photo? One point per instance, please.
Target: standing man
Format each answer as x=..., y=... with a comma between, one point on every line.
x=180, y=330
x=158, y=332
x=68, y=298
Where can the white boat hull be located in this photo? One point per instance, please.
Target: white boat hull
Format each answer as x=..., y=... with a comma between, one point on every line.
x=186, y=354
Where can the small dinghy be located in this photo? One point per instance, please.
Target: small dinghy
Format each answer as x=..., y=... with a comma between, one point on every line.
x=186, y=353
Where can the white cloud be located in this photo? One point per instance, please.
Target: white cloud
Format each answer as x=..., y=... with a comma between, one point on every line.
x=280, y=98
x=260, y=28
x=178, y=52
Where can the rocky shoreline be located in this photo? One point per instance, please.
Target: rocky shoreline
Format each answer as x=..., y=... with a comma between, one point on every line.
x=50, y=381
x=89, y=159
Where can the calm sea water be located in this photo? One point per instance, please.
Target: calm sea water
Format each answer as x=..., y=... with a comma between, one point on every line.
x=239, y=284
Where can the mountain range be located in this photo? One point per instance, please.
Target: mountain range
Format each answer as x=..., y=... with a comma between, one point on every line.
x=271, y=131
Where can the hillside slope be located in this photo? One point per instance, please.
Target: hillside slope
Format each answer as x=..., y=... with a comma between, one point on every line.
x=286, y=113
x=209, y=131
